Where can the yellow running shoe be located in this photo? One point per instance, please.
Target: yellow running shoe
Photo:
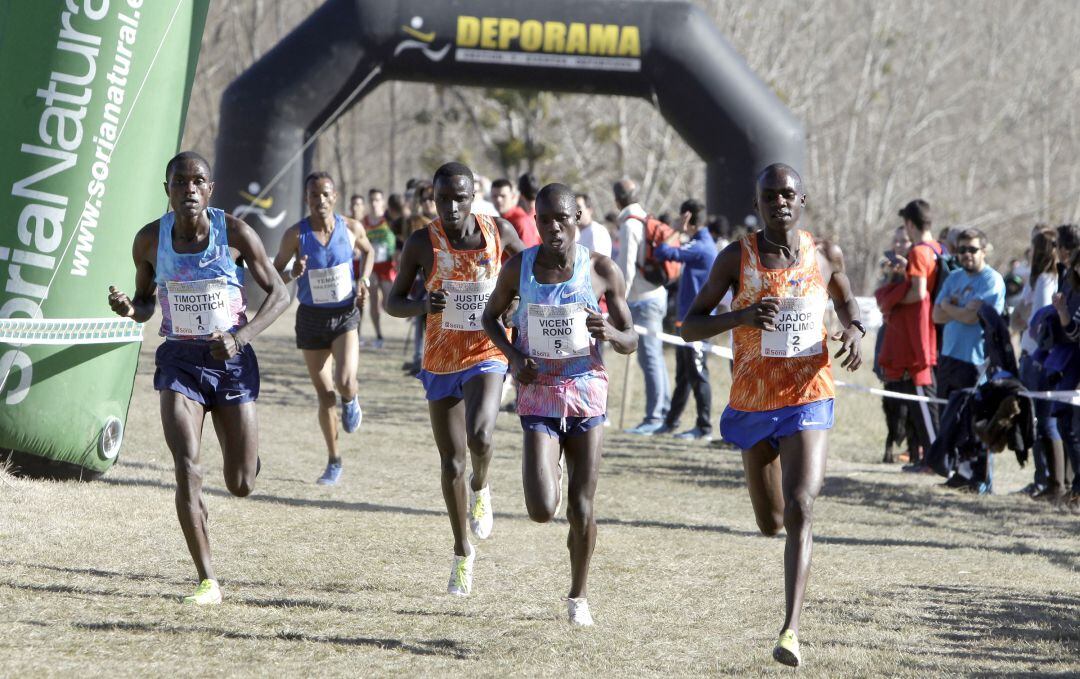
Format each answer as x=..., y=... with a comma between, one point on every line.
x=206, y=594
x=787, y=649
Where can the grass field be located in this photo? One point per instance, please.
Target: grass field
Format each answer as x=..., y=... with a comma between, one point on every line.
x=908, y=579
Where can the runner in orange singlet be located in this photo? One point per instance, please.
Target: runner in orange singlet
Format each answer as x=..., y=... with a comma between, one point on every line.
x=459, y=255
x=781, y=403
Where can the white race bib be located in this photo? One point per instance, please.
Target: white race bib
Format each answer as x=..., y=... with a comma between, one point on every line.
x=798, y=328
x=558, y=331
x=331, y=286
x=465, y=302
x=382, y=252
x=199, y=307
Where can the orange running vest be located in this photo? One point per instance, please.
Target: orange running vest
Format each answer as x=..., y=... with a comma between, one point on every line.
x=446, y=350
x=766, y=383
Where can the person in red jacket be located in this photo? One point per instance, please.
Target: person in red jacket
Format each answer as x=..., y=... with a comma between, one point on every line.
x=506, y=202
x=909, y=350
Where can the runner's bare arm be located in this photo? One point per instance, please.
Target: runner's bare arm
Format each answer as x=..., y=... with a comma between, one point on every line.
x=287, y=249
x=144, y=253
x=700, y=324
x=397, y=302
x=511, y=244
x=521, y=366
x=247, y=242
x=847, y=309
x=362, y=245
x=618, y=327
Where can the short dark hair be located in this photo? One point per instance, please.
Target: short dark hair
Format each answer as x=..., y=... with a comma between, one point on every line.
x=315, y=176
x=372, y=191
x=355, y=197
x=555, y=192
x=411, y=184
x=181, y=157
x=585, y=198
x=918, y=213
x=528, y=186
x=395, y=202
x=1068, y=236
x=451, y=170
x=973, y=234
x=696, y=210
x=501, y=182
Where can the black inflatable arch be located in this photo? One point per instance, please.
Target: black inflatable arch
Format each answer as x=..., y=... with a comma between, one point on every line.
x=668, y=52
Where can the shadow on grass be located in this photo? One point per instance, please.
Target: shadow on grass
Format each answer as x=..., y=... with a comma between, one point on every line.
x=426, y=647
x=987, y=627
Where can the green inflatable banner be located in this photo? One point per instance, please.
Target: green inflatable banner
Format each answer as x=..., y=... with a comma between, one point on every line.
x=95, y=96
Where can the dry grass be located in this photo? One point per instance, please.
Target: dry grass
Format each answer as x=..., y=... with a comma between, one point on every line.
x=909, y=580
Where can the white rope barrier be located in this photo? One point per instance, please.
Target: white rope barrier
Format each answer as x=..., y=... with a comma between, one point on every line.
x=1071, y=397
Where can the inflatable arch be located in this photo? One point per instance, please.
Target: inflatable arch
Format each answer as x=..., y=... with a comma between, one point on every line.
x=667, y=52
x=95, y=95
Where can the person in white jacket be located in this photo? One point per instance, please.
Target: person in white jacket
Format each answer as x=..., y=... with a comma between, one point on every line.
x=648, y=304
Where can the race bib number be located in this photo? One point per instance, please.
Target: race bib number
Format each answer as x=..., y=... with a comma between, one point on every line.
x=558, y=331
x=465, y=302
x=382, y=252
x=199, y=307
x=331, y=286
x=798, y=328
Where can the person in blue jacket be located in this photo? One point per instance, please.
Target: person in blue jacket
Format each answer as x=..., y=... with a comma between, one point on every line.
x=691, y=360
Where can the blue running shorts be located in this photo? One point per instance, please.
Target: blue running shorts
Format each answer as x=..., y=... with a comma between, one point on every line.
x=186, y=367
x=746, y=429
x=560, y=428
x=450, y=385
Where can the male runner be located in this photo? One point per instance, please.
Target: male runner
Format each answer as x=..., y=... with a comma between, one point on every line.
x=187, y=257
x=459, y=255
x=562, y=399
x=321, y=247
x=384, y=242
x=781, y=404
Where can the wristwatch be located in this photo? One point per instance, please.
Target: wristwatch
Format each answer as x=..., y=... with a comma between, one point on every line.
x=858, y=324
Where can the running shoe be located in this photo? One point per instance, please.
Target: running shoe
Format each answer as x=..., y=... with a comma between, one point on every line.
x=206, y=594
x=351, y=415
x=578, y=612
x=331, y=476
x=787, y=649
x=378, y=343
x=1072, y=503
x=646, y=428
x=695, y=434
x=461, y=574
x=480, y=517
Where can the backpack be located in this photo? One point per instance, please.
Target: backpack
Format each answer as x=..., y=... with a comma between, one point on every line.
x=652, y=269
x=945, y=265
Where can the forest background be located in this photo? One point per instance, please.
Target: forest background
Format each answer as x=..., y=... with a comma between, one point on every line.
x=971, y=105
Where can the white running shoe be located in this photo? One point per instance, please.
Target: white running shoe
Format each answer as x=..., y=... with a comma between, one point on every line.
x=480, y=516
x=578, y=611
x=461, y=574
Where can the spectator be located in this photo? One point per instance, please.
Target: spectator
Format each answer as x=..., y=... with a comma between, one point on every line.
x=528, y=187
x=957, y=307
x=893, y=267
x=909, y=350
x=648, y=304
x=691, y=360
x=1048, y=454
x=358, y=207
x=1067, y=306
x=481, y=205
x=591, y=233
x=1068, y=242
x=506, y=202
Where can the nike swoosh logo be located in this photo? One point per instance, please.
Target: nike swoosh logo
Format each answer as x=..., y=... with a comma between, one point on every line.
x=264, y=203
x=426, y=37
x=567, y=293
x=804, y=423
x=230, y=397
